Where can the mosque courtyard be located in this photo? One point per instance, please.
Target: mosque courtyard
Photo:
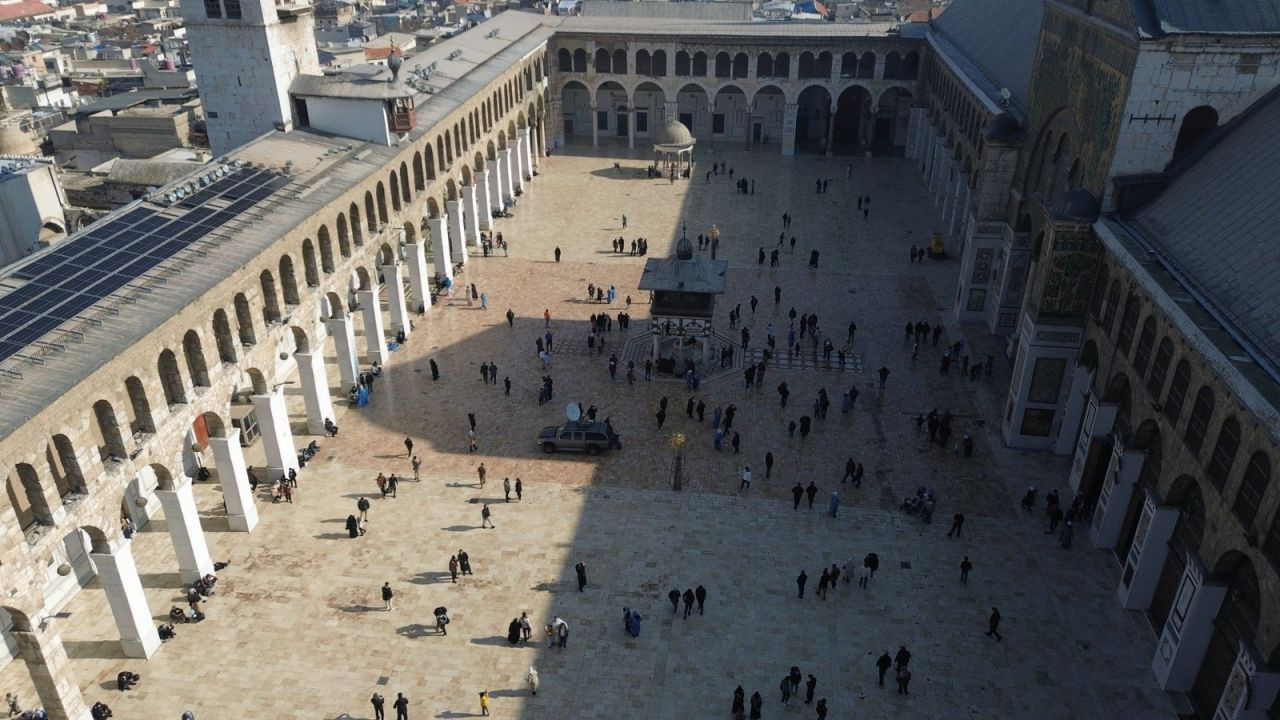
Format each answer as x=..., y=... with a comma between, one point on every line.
x=297, y=628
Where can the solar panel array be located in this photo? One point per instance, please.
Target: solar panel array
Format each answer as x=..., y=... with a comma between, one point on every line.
x=97, y=263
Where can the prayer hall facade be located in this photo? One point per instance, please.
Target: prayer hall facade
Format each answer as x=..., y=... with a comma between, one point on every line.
x=1095, y=206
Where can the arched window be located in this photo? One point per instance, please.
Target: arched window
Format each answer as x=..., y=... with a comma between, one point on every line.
x=603, y=61
x=644, y=65
x=620, y=62
x=823, y=67
x=1113, y=302
x=175, y=390
x=109, y=430
x=222, y=336
x=579, y=60
x=867, y=65
x=1145, y=339
x=659, y=63
x=326, y=251
x=682, y=64
x=1177, y=391
x=193, y=349
x=1160, y=368
x=782, y=65
x=740, y=63
x=764, y=65
x=1128, y=323
x=270, y=301
x=911, y=65
x=244, y=320
x=849, y=65
x=1224, y=452
x=1100, y=292
x=724, y=65
x=1196, y=124
x=288, y=282
x=808, y=67
x=1252, y=489
x=140, y=405
x=1198, y=423
x=565, y=60
x=892, y=66
x=699, y=64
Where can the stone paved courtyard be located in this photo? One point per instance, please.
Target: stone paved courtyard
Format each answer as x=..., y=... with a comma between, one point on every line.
x=297, y=629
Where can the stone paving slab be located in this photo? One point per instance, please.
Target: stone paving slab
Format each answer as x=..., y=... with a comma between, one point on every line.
x=297, y=628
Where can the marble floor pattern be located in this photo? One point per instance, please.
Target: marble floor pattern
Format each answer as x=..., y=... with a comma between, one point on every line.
x=297, y=628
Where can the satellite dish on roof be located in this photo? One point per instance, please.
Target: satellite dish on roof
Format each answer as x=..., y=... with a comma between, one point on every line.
x=573, y=412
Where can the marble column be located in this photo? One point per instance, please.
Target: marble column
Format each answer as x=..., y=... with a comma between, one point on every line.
x=831, y=130
x=483, y=203
x=315, y=390
x=789, y=128
x=393, y=281
x=595, y=133
x=344, y=346
x=1147, y=554
x=541, y=149
x=374, y=338
x=518, y=169
x=277, y=435
x=508, y=173
x=457, y=231
x=50, y=669
x=495, y=184
x=1186, y=634
x=416, y=259
x=242, y=513
x=118, y=577
x=631, y=128
x=470, y=215
x=1113, y=500
x=183, y=519
x=441, y=257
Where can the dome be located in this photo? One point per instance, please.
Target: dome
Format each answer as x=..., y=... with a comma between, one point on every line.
x=1003, y=127
x=15, y=142
x=674, y=133
x=684, y=248
x=1078, y=205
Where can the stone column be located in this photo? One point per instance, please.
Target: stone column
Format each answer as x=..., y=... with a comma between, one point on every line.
x=418, y=285
x=483, y=203
x=374, y=338
x=518, y=168
x=344, y=346
x=789, y=128
x=1147, y=554
x=527, y=135
x=457, y=231
x=277, y=435
x=595, y=133
x=470, y=215
x=118, y=577
x=506, y=163
x=393, y=280
x=631, y=128
x=671, y=111
x=242, y=513
x=495, y=184
x=541, y=149
x=831, y=130
x=1186, y=635
x=50, y=670
x=1251, y=688
x=555, y=110
x=1073, y=410
x=1113, y=500
x=315, y=390
x=183, y=519
x=440, y=248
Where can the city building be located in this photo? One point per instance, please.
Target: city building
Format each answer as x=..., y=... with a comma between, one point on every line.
x=32, y=204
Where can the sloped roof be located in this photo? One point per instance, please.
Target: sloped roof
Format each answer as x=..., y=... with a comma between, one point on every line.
x=1215, y=224
x=23, y=9
x=998, y=37
x=695, y=275
x=1237, y=17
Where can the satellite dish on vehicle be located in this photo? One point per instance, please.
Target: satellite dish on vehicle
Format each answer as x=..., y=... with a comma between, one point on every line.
x=572, y=411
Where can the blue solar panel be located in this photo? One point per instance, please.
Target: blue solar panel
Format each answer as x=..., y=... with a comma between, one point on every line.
x=93, y=265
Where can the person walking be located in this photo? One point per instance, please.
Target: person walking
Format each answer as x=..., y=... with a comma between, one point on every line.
x=882, y=665
x=800, y=581
x=688, y=602
x=506, y=489
x=700, y=593
x=485, y=519
x=811, y=492
x=904, y=679
x=965, y=567
x=746, y=479
x=453, y=568
x=387, y=595
x=674, y=597
x=557, y=253
x=833, y=506
x=416, y=464
x=519, y=491
x=797, y=492
x=756, y=703
x=484, y=703
x=823, y=583
x=481, y=472
x=402, y=707
x=533, y=680
x=363, y=506
x=408, y=447
x=435, y=369
x=739, y=702
x=581, y=570
x=378, y=712
x=464, y=562
x=785, y=687
x=993, y=624
x=957, y=522
x=768, y=465
x=809, y=686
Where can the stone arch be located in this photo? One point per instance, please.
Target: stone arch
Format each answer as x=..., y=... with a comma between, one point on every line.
x=1128, y=323
x=692, y=100
x=853, y=127
x=270, y=300
x=580, y=60
x=27, y=498
x=723, y=65
x=619, y=63
x=258, y=381
x=405, y=190
x=393, y=182
x=357, y=227
x=1236, y=622
x=451, y=190
x=911, y=65
x=410, y=234
x=730, y=102
x=477, y=162
x=650, y=98
x=288, y=281
x=371, y=211
x=564, y=60
x=769, y=102
x=386, y=255
x=108, y=427
x=419, y=179
x=429, y=163
x=1113, y=304
x=363, y=280
x=310, y=271
x=893, y=66
x=1188, y=533
x=1142, y=352
x=741, y=66
x=466, y=175
x=344, y=237
x=335, y=307
x=848, y=65
x=1160, y=367
x=764, y=65
x=326, y=252
x=1099, y=291
x=1089, y=356
x=222, y=337
x=1253, y=488
x=193, y=350
x=1117, y=392
x=140, y=417
x=66, y=467
x=813, y=113
x=433, y=209
x=867, y=66
x=1198, y=422
x=171, y=382
x=300, y=342
x=213, y=424
x=1223, y=457
x=659, y=63
x=382, y=204
x=603, y=61
x=1196, y=125
x=164, y=478
x=892, y=116
x=244, y=320
x=1177, y=391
